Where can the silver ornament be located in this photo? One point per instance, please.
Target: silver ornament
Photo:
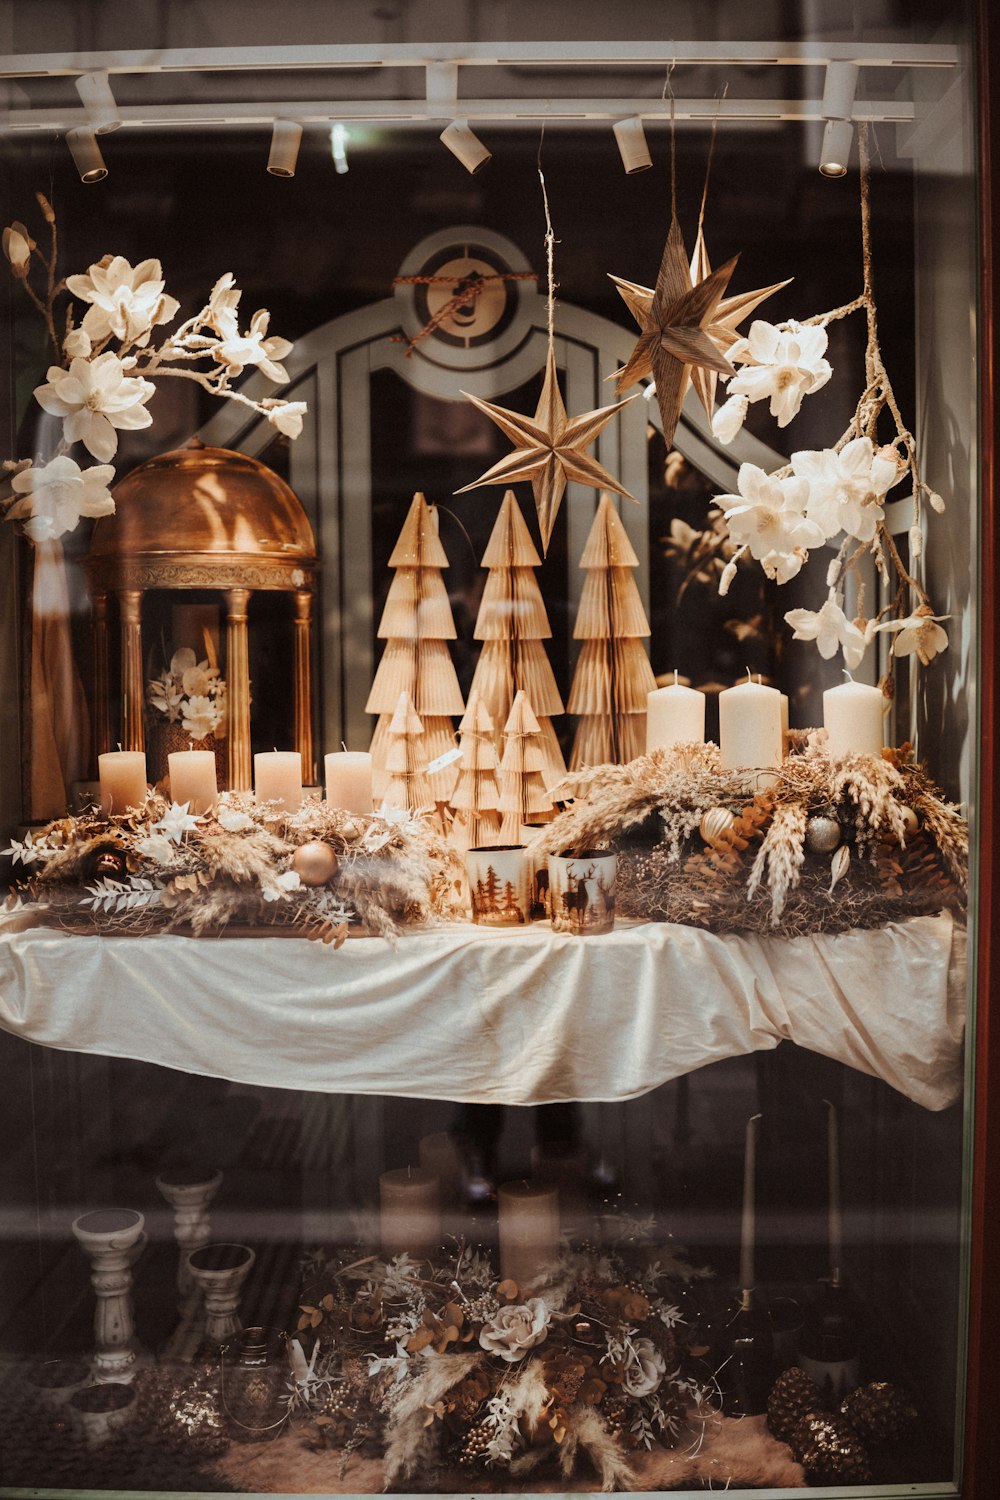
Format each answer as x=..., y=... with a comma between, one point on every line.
x=822, y=834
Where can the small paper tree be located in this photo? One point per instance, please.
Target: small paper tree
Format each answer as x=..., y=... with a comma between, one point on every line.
x=524, y=797
x=613, y=676
x=512, y=624
x=416, y=625
x=406, y=783
x=476, y=798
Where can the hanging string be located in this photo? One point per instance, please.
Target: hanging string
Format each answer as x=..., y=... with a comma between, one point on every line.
x=550, y=241
x=668, y=88
x=708, y=163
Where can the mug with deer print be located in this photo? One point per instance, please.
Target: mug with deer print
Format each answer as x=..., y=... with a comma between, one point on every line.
x=582, y=892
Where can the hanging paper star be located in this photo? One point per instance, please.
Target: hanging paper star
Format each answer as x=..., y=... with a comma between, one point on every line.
x=674, y=334
x=549, y=449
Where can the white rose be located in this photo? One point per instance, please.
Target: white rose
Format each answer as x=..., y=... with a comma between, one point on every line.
x=645, y=1369
x=515, y=1330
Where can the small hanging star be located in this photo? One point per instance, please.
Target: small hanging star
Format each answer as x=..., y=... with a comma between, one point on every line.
x=549, y=449
x=674, y=332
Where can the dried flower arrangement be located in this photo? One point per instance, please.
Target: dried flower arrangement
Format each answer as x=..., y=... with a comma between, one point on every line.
x=856, y=842
x=318, y=871
x=190, y=693
x=444, y=1363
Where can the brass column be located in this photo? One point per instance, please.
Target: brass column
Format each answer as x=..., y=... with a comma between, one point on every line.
x=303, y=684
x=133, y=695
x=99, y=720
x=238, y=689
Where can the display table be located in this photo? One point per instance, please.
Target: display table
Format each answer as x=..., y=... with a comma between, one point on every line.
x=510, y=1017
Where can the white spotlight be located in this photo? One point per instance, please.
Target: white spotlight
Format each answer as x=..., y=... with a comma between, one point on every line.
x=285, y=138
x=82, y=142
x=338, y=146
x=838, y=138
x=99, y=102
x=837, y=108
x=466, y=145
x=632, y=146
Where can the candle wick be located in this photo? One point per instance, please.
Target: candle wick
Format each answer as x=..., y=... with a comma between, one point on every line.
x=848, y=675
x=119, y=745
x=343, y=747
x=749, y=678
x=675, y=677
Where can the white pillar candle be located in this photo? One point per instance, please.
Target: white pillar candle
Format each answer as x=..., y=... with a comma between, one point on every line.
x=277, y=777
x=193, y=779
x=750, y=726
x=349, y=780
x=853, y=717
x=675, y=715
x=529, y=1230
x=410, y=1212
x=123, y=780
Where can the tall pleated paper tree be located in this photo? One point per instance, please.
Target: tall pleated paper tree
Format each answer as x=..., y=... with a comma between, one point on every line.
x=512, y=624
x=406, y=781
x=524, y=796
x=613, y=676
x=417, y=625
x=476, y=798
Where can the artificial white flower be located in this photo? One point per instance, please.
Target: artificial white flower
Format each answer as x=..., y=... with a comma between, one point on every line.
x=17, y=246
x=287, y=881
x=830, y=628
x=729, y=418
x=919, y=633
x=644, y=1369
x=237, y=350
x=234, y=821
x=76, y=344
x=199, y=717
x=768, y=517
x=199, y=678
x=846, y=488
x=156, y=847
x=177, y=821
x=223, y=300
x=94, y=398
x=784, y=365
x=164, y=694
x=124, y=300
x=286, y=415
x=54, y=497
x=515, y=1330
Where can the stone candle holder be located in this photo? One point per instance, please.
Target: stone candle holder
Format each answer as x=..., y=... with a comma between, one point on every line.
x=112, y=1239
x=219, y=1272
x=190, y=1194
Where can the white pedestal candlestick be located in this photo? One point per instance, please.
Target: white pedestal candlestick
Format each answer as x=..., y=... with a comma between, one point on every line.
x=675, y=715
x=112, y=1239
x=750, y=726
x=349, y=780
x=411, y=1212
x=853, y=719
x=529, y=1230
x=219, y=1271
x=123, y=780
x=277, y=777
x=193, y=779
x=190, y=1196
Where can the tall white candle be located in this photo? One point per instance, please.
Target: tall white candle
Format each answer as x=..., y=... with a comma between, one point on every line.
x=748, y=1227
x=277, y=777
x=675, y=715
x=410, y=1212
x=750, y=726
x=193, y=779
x=349, y=780
x=529, y=1230
x=853, y=718
x=123, y=780
x=836, y=1218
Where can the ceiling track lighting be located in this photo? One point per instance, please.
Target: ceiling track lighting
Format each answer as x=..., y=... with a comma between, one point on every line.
x=86, y=153
x=464, y=144
x=286, y=136
x=837, y=110
x=98, y=102
x=339, y=137
x=632, y=147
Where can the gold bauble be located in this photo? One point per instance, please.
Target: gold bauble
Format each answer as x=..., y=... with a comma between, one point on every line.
x=823, y=834
x=315, y=863
x=714, y=826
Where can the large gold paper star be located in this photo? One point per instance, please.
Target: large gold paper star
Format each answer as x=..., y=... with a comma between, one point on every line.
x=674, y=333
x=548, y=449
x=722, y=329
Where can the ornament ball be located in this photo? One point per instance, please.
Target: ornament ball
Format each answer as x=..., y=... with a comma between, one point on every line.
x=822, y=834
x=315, y=863
x=714, y=826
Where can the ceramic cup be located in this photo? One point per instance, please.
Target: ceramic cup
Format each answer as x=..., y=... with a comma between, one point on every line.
x=582, y=892
x=98, y=1411
x=499, y=885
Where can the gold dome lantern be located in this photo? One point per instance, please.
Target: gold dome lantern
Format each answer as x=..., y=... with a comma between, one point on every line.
x=203, y=518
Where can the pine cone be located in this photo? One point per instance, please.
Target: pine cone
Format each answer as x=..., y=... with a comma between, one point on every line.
x=830, y=1451
x=794, y=1394
x=879, y=1413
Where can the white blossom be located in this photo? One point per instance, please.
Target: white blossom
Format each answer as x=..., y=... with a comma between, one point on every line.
x=515, y=1330
x=177, y=821
x=768, y=517
x=77, y=344
x=830, y=628
x=17, y=246
x=783, y=364
x=157, y=847
x=729, y=419
x=237, y=350
x=95, y=398
x=846, y=488
x=51, y=499
x=286, y=415
x=282, y=886
x=918, y=634
x=125, y=300
x=644, y=1369
x=234, y=821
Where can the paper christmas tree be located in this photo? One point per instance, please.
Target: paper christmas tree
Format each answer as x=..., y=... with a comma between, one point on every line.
x=524, y=797
x=512, y=624
x=417, y=625
x=613, y=676
x=476, y=798
x=406, y=782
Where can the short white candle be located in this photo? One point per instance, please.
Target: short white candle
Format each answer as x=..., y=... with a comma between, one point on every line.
x=529, y=1230
x=675, y=715
x=349, y=780
x=853, y=717
x=123, y=780
x=193, y=779
x=750, y=726
x=410, y=1212
x=277, y=777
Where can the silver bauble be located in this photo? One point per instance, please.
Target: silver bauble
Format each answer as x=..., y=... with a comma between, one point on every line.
x=823, y=834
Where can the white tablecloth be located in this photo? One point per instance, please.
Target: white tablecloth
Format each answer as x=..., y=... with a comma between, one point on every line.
x=523, y=1017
